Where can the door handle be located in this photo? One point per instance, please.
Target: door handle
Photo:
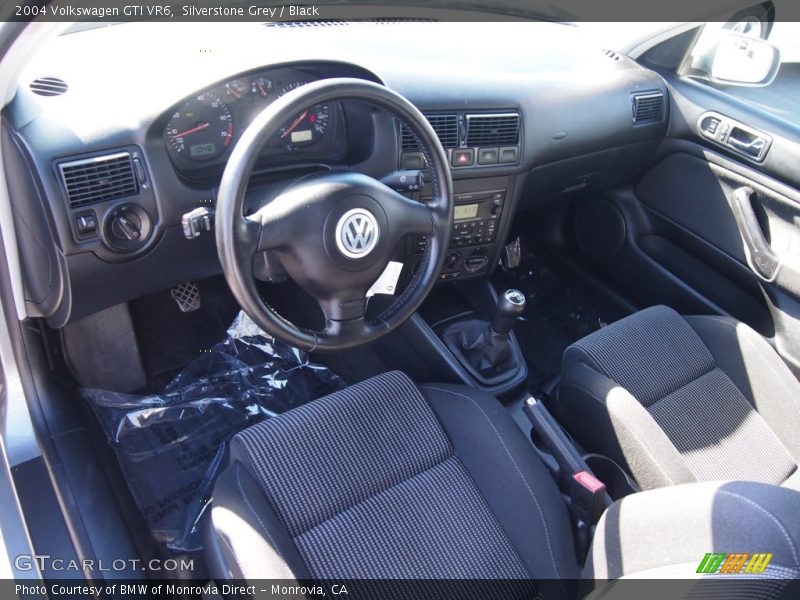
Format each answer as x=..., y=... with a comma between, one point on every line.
x=734, y=135
x=753, y=147
x=761, y=257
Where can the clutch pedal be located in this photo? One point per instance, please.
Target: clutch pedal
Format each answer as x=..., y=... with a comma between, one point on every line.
x=186, y=296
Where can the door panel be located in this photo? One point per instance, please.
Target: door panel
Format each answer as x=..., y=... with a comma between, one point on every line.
x=690, y=191
x=713, y=231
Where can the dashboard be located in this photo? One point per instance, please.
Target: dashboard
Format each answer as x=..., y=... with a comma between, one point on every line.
x=106, y=153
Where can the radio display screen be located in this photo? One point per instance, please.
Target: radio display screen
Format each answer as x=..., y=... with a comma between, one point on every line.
x=465, y=211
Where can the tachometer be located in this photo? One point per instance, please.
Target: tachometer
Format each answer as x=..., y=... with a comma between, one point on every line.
x=201, y=129
x=309, y=126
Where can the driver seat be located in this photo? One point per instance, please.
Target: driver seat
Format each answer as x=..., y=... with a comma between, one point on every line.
x=387, y=480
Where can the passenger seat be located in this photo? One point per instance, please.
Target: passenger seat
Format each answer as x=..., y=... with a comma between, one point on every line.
x=682, y=399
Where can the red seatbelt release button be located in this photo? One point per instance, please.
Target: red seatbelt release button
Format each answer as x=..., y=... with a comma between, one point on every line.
x=588, y=496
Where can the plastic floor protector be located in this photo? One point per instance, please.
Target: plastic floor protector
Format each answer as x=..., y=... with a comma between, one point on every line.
x=172, y=445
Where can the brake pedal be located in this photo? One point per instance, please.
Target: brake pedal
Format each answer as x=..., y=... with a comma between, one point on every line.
x=186, y=296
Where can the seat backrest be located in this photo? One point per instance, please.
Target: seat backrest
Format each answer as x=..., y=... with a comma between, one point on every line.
x=657, y=357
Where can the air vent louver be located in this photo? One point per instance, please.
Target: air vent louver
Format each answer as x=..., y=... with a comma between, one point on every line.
x=49, y=86
x=97, y=179
x=394, y=20
x=648, y=108
x=493, y=130
x=611, y=54
x=318, y=23
x=445, y=126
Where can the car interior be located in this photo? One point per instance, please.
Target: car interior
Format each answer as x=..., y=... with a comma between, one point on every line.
x=311, y=301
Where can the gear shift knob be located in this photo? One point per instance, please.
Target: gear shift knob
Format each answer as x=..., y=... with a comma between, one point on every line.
x=510, y=306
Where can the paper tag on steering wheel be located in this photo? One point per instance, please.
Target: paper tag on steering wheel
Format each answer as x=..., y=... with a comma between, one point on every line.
x=387, y=282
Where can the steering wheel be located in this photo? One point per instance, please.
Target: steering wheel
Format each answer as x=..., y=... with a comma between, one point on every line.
x=335, y=232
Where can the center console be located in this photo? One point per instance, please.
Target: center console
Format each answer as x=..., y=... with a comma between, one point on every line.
x=481, y=215
x=463, y=333
x=476, y=216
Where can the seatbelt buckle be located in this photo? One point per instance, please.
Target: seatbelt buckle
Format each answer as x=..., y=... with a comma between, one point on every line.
x=588, y=497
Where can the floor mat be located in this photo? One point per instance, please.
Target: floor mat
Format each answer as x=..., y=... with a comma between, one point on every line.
x=157, y=318
x=562, y=307
x=171, y=445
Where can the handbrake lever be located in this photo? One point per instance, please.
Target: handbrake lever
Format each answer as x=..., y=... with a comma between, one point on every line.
x=588, y=497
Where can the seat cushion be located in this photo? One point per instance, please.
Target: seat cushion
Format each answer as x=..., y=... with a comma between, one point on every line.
x=696, y=419
x=666, y=533
x=384, y=480
x=326, y=457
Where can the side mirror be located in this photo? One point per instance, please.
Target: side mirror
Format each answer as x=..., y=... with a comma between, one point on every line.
x=744, y=60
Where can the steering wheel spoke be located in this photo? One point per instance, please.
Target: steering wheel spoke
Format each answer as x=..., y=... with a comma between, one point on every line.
x=410, y=216
x=352, y=329
x=272, y=222
x=350, y=305
x=250, y=235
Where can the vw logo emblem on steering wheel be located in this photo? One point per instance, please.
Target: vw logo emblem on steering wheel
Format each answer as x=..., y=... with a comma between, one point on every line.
x=357, y=233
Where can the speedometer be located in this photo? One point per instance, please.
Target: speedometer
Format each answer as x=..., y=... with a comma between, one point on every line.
x=308, y=127
x=201, y=129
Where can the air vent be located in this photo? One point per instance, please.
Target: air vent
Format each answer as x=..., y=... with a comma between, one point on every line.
x=493, y=130
x=100, y=178
x=408, y=141
x=49, y=86
x=393, y=20
x=648, y=108
x=611, y=54
x=445, y=126
x=319, y=23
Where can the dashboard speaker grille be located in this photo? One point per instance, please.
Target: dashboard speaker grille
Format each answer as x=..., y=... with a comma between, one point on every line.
x=493, y=130
x=49, y=86
x=100, y=178
x=445, y=126
x=648, y=108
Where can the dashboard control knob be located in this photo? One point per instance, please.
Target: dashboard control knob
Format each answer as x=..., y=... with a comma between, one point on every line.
x=127, y=227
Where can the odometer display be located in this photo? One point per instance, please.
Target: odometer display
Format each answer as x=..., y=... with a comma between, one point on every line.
x=197, y=150
x=201, y=129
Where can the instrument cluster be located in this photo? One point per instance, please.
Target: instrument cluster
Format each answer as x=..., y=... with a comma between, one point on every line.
x=201, y=131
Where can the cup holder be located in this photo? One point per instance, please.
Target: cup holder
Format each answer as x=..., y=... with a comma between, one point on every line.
x=618, y=483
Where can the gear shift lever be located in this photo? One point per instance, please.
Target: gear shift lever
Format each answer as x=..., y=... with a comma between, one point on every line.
x=485, y=347
x=510, y=307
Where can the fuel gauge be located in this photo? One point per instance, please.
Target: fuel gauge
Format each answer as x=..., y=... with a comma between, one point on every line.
x=237, y=88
